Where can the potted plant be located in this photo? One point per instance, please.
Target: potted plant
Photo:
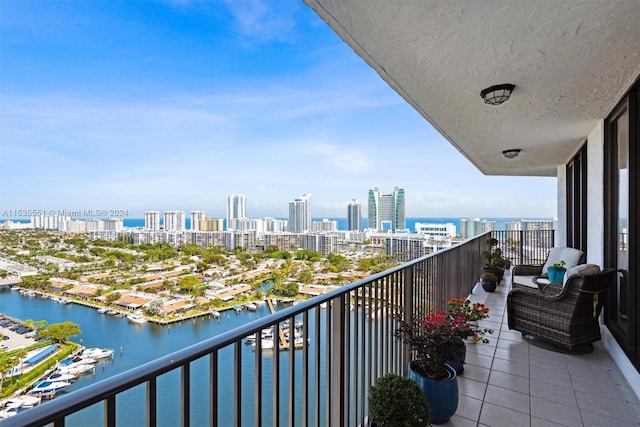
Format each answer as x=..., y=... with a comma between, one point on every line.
x=472, y=313
x=462, y=309
x=433, y=340
x=489, y=281
x=494, y=261
x=556, y=271
x=397, y=401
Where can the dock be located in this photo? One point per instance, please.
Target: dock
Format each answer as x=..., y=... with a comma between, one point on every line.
x=283, y=344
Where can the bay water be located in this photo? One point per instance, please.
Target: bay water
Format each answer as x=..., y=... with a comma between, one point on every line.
x=136, y=344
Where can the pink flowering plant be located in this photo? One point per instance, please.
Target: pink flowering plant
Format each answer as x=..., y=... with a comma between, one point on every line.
x=436, y=339
x=472, y=313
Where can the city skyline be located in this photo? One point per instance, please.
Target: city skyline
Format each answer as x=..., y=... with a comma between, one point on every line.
x=207, y=99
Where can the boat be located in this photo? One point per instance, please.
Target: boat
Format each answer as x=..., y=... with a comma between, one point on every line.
x=215, y=314
x=15, y=288
x=267, y=344
x=55, y=299
x=23, y=400
x=65, y=300
x=60, y=376
x=274, y=301
x=260, y=302
x=76, y=359
x=11, y=411
x=250, y=306
x=77, y=368
x=102, y=310
x=137, y=317
x=48, y=387
x=237, y=308
x=97, y=353
x=112, y=312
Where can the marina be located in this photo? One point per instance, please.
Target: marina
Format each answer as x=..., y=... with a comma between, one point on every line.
x=133, y=346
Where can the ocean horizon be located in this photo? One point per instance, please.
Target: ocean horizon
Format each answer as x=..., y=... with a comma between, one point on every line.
x=342, y=222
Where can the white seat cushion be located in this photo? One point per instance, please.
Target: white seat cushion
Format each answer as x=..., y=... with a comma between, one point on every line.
x=525, y=281
x=570, y=256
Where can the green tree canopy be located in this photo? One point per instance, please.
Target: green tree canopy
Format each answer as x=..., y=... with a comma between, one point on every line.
x=189, y=283
x=63, y=331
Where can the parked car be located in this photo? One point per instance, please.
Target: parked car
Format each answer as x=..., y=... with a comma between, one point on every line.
x=5, y=337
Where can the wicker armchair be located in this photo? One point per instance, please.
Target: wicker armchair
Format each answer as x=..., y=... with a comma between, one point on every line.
x=523, y=276
x=566, y=317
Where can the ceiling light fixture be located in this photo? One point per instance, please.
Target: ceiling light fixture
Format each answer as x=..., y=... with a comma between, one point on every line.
x=496, y=95
x=511, y=153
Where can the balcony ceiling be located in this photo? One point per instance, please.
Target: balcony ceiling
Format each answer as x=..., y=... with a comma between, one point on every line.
x=570, y=61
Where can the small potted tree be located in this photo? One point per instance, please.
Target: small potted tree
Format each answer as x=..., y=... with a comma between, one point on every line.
x=556, y=271
x=397, y=401
x=494, y=261
x=489, y=281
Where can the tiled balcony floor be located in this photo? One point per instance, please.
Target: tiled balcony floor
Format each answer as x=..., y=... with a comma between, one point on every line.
x=510, y=382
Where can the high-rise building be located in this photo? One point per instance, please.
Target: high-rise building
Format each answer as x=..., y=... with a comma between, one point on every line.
x=152, y=220
x=324, y=225
x=196, y=217
x=211, y=224
x=474, y=226
x=300, y=214
x=354, y=215
x=236, y=209
x=174, y=221
x=386, y=211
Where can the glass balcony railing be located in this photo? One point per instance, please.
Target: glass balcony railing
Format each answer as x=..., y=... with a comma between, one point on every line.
x=313, y=365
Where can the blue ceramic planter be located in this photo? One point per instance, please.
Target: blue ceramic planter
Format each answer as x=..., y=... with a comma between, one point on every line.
x=442, y=395
x=556, y=274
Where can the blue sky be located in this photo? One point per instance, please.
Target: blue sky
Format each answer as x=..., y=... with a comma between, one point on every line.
x=164, y=105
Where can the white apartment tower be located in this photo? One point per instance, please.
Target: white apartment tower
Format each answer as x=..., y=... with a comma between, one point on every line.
x=236, y=209
x=300, y=214
x=196, y=217
x=152, y=220
x=354, y=216
x=472, y=227
x=174, y=221
x=386, y=211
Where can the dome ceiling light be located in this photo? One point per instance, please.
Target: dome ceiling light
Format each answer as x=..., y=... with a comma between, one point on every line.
x=496, y=95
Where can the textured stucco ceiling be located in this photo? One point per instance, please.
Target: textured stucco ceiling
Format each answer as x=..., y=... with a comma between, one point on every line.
x=570, y=61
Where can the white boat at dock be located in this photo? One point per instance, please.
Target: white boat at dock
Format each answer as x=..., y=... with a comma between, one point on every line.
x=60, y=376
x=102, y=310
x=266, y=343
x=251, y=306
x=65, y=300
x=76, y=368
x=98, y=353
x=23, y=400
x=260, y=302
x=11, y=411
x=48, y=387
x=77, y=359
x=137, y=317
x=215, y=314
x=237, y=308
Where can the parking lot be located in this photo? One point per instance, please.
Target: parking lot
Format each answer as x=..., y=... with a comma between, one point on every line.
x=15, y=340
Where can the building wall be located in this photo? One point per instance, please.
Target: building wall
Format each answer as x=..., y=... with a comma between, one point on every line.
x=595, y=198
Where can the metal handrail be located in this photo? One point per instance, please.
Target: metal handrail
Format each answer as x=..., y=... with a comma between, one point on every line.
x=358, y=348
